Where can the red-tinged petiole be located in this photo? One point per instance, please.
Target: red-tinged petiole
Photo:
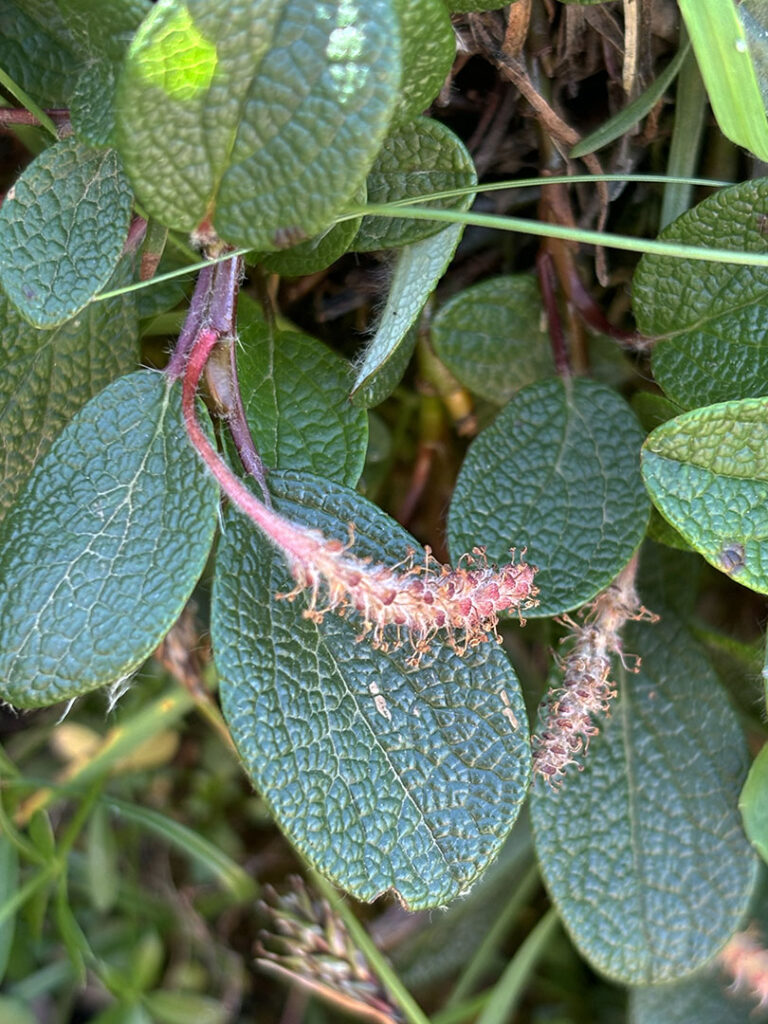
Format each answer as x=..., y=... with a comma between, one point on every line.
x=422, y=601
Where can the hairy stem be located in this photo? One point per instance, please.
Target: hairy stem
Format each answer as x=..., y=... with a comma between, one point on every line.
x=423, y=600
x=211, y=326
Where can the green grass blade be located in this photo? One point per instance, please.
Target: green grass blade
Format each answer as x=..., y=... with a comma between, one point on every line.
x=532, y=227
x=722, y=51
x=627, y=118
x=26, y=101
x=500, y=1007
x=237, y=881
x=690, y=110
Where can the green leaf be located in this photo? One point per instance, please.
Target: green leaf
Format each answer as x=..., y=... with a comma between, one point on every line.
x=101, y=851
x=91, y=108
x=652, y=409
x=416, y=159
x=95, y=28
x=173, y=1006
x=46, y=376
x=710, y=318
x=102, y=29
x=193, y=97
x=63, y=226
x=624, y=121
x=55, y=43
x=104, y=546
x=316, y=253
x=146, y=963
x=295, y=394
x=754, y=18
x=429, y=46
x=417, y=271
x=722, y=50
x=127, y=1012
x=557, y=472
x=706, y=998
x=473, y=5
x=753, y=804
x=383, y=776
x=664, y=533
x=707, y=473
x=34, y=57
x=490, y=336
x=643, y=851
x=9, y=886
x=190, y=844
x=14, y=1011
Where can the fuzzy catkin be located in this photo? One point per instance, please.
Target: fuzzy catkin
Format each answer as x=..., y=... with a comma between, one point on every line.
x=569, y=711
x=414, y=604
x=745, y=959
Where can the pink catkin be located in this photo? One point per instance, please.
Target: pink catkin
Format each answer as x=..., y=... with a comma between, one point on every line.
x=568, y=716
x=745, y=960
x=420, y=602
x=417, y=604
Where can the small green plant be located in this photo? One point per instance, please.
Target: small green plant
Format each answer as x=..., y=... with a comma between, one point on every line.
x=189, y=156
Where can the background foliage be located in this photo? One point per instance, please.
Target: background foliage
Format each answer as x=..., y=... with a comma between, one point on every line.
x=444, y=341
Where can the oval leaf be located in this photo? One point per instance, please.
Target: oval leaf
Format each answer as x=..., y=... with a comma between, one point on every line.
x=418, y=268
x=707, y=472
x=710, y=317
x=197, y=81
x=383, y=776
x=643, y=851
x=416, y=159
x=295, y=394
x=103, y=549
x=62, y=227
x=490, y=336
x=557, y=472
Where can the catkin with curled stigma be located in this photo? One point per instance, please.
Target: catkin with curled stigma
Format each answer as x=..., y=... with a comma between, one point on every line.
x=569, y=712
x=415, y=604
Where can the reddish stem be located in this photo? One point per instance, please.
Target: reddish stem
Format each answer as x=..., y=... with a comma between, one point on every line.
x=593, y=316
x=546, y=273
x=18, y=115
x=280, y=531
x=213, y=312
x=194, y=323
